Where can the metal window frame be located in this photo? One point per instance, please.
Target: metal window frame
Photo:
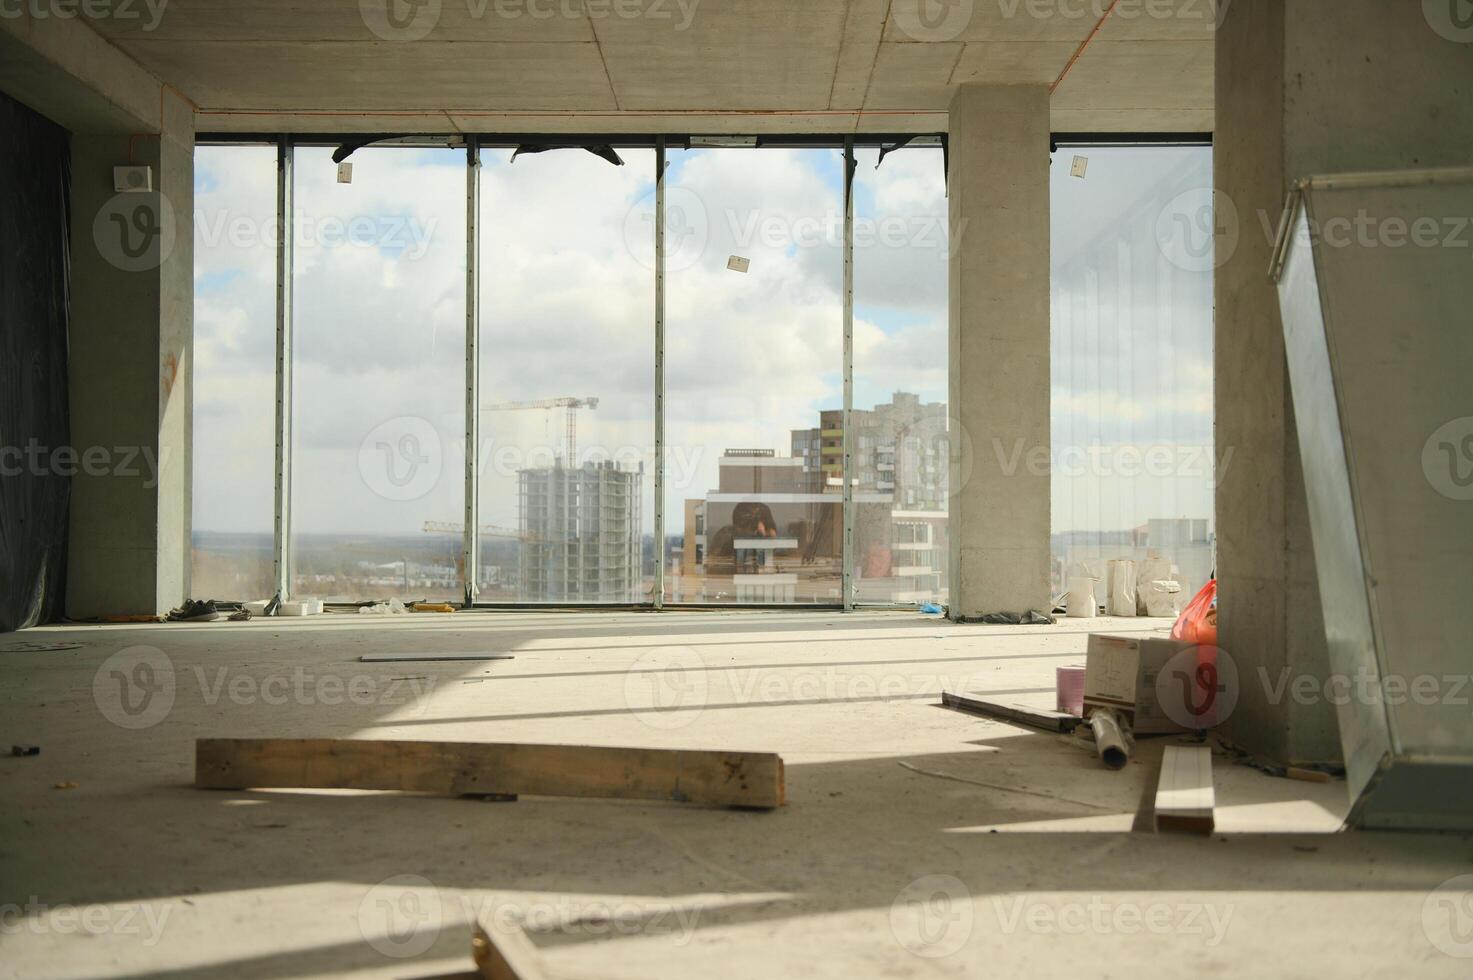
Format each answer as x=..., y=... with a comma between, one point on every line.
x=285, y=271
x=506, y=140
x=658, y=599
x=286, y=145
x=846, y=468
x=471, y=538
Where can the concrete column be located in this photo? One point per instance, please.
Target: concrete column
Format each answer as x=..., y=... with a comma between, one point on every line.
x=132, y=306
x=998, y=189
x=1304, y=87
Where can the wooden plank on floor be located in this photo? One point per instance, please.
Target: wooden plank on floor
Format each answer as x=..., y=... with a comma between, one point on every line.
x=505, y=953
x=1184, y=794
x=977, y=704
x=417, y=658
x=746, y=779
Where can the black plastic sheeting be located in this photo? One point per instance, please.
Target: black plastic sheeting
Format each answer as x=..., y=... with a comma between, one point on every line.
x=35, y=166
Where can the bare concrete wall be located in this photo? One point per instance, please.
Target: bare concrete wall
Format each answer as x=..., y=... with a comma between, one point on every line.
x=132, y=297
x=1303, y=87
x=999, y=342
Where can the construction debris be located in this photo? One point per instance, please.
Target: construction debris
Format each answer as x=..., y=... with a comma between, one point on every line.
x=1030, y=618
x=1112, y=737
x=1069, y=689
x=1120, y=586
x=1021, y=714
x=28, y=646
x=1122, y=672
x=434, y=607
x=300, y=607
x=1184, y=794
x=1307, y=775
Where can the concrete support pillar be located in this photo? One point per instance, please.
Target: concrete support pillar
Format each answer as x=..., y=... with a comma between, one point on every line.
x=132, y=321
x=998, y=189
x=1304, y=87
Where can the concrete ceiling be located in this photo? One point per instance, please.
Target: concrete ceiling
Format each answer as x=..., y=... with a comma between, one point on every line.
x=655, y=65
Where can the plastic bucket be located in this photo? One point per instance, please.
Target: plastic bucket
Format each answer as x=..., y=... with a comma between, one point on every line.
x=1070, y=684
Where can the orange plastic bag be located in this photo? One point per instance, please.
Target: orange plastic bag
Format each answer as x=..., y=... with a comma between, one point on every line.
x=1198, y=621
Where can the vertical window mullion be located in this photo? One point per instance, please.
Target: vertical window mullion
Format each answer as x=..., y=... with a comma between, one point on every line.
x=470, y=543
x=285, y=153
x=847, y=468
x=659, y=586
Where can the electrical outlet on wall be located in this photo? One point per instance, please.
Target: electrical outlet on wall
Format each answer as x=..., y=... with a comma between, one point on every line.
x=136, y=180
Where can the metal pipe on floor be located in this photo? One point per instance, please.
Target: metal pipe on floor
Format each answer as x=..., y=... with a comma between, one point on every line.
x=1110, y=738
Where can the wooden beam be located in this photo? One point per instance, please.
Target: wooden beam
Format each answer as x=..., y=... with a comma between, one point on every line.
x=744, y=779
x=1184, y=794
x=417, y=658
x=1019, y=714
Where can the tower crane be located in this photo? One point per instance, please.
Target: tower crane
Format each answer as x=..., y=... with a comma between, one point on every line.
x=570, y=447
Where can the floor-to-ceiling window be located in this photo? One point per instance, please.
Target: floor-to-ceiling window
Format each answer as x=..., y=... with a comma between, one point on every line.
x=899, y=417
x=564, y=387
x=378, y=365
x=234, y=387
x=754, y=375
x=1133, y=455
x=567, y=373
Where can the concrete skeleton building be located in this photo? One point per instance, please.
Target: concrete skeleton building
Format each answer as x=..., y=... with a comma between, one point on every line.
x=581, y=538
x=888, y=838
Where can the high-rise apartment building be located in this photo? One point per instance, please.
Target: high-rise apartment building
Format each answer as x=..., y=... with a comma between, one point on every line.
x=899, y=448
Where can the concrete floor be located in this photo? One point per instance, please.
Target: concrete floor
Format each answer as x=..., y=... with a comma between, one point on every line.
x=872, y=869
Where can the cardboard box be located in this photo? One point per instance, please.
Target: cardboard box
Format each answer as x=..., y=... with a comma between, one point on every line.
x=1120, y=672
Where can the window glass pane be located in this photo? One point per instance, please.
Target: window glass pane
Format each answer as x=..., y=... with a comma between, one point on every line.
x=1132, y=361
x=900, y=376
x=567, y=355
x=754, y=388
x=234, y=428
x=379, y=385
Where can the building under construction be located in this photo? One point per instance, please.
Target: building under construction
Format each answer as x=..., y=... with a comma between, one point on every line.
x=581, y=535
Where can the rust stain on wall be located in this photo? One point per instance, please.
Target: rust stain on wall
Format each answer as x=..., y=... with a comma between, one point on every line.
x=170, y=374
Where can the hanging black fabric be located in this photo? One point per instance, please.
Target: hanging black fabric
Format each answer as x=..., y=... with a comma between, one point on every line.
x=35, y=164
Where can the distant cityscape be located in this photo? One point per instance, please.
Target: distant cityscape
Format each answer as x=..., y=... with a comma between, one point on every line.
x=769, y=532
